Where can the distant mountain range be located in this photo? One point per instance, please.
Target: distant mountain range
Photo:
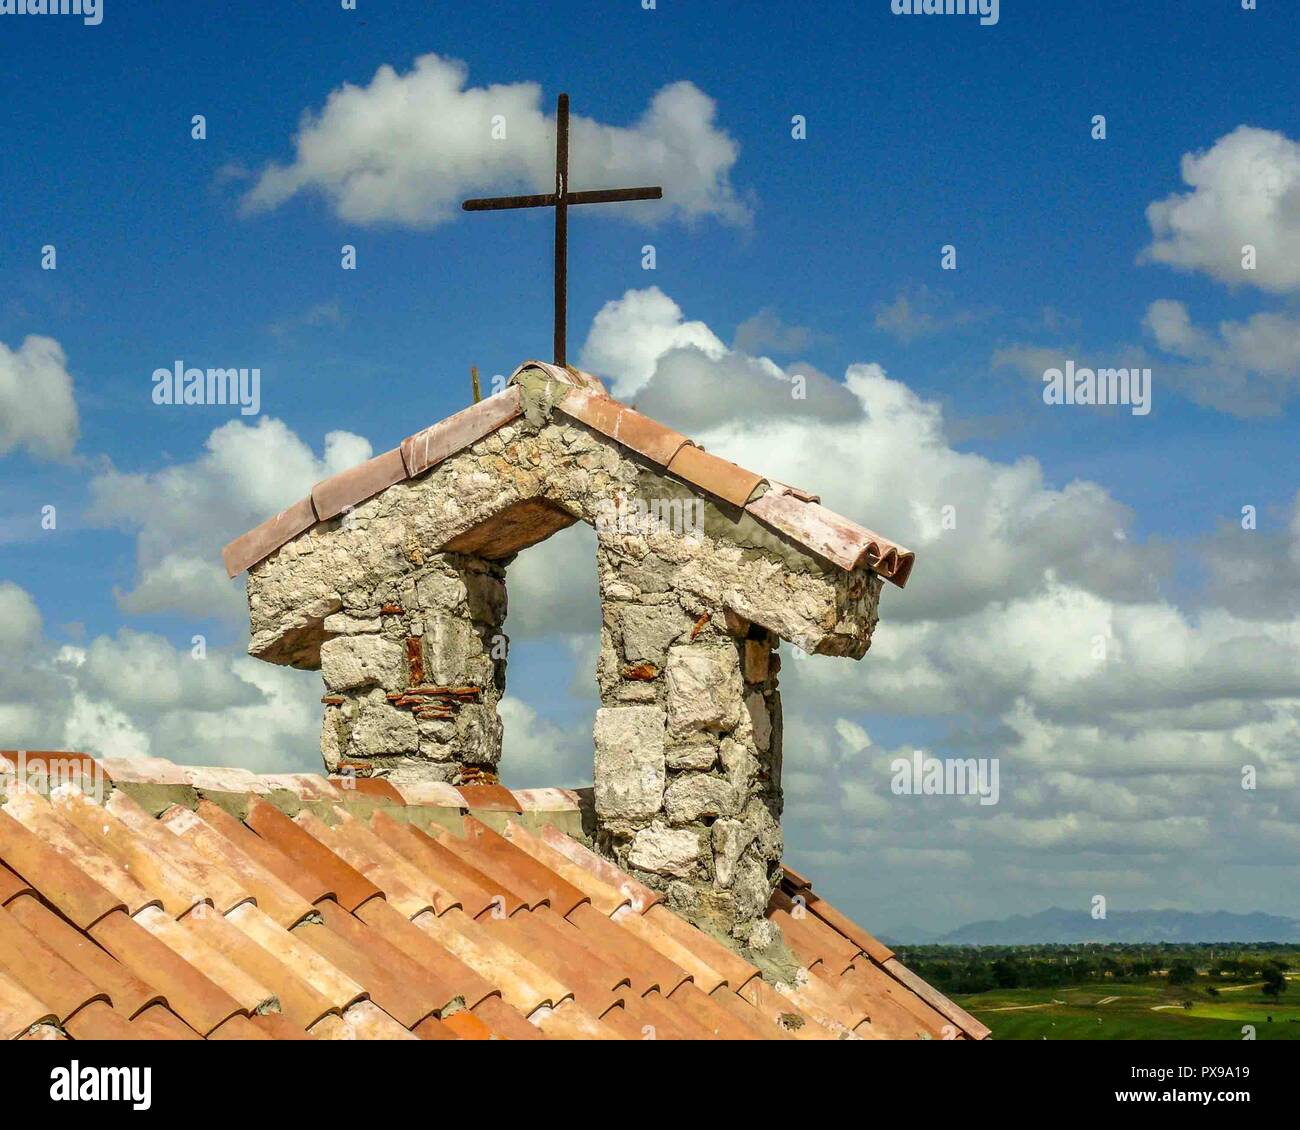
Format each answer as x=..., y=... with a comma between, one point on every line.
x=1056, y=925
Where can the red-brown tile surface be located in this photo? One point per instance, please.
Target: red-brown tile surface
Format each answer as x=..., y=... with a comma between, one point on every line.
x=346, y=922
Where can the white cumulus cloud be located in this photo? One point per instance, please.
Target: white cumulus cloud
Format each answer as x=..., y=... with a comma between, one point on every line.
x=408, y=147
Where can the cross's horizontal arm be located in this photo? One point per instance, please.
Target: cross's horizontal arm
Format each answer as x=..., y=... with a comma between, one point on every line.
x=550, y=199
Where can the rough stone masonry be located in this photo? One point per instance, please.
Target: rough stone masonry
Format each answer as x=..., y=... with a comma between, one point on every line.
x=401, y=603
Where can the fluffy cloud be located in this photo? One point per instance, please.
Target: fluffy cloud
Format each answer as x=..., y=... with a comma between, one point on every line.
x=37, y=409
x=1244, y=190
x=183, y=515
x=138, y=694
x=1246, y=368
x=1035, y=631
x=408, y=147
x=920, y=312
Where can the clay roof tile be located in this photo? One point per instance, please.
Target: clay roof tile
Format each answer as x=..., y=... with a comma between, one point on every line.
x=717, y=476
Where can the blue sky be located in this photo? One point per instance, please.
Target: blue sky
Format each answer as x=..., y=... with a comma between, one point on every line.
x=921, y=132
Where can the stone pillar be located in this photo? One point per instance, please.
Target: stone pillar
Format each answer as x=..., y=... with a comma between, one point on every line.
x=688, y=750
x=413, y=673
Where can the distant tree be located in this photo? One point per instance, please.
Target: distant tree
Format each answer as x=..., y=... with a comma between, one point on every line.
x=1212, y=990
x=1007, y=973
x=1182, y=972
x=1274, y=981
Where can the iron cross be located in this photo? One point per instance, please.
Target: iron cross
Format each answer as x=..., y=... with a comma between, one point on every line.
x=560, y=200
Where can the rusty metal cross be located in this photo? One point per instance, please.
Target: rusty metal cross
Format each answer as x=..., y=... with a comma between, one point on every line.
x=560, y=200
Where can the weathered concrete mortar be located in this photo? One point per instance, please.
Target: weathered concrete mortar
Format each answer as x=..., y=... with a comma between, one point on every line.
x=687, y=742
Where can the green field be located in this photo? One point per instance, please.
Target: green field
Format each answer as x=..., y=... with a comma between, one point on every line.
x=1142, y=1011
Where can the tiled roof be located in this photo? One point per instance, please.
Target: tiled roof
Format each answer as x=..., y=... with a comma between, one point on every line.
x=793, y=512
x=146, y=900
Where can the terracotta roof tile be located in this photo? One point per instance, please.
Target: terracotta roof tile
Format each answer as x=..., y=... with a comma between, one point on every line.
x=305, y=786
x=193, y=947
x=188, y=992
x=11, y=885
x=490, y=798
x=305, y=883
x=404, y=885
x=593, y=986
x=437, y=794
x=733, y=968
x=645, y=965
x=471, y=888
x=467, y=1026
x=624, y=425
x=833, y=537
x=60, y=881
x=101, y=1021
x=19, y=1010
x=547, y=800
x=237, y=1028
x=679, y=954
x=42, y=971
x=521, y=982
x=566, y=374
x=349, y=488
x=517, y=868
x=129, y=994
x=448, y=970
x=277, y=1026
x=812, y=940
x=431, y=1028
x=158, y=1022
x=156, y=873
x=272, y=894
x=331, y=983
x=431, y=446
x=716, y=1020
x=298, y=1000
x=398, y=984
x=373, y=788
x=526, y=935
x=641, y=897
x=717, y=476
x=261, y=541
x=350, y=887
x=959, y=1017
x=570, y=1021
x=212, y=878
x=52, y=825
x=603, y=897
x=506, y=1021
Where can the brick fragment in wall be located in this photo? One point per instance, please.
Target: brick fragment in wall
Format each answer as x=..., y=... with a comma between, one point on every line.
x=415, y=658
x=757, y=655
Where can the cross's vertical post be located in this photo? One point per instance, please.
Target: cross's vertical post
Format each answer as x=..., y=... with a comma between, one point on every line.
x=561, y=200
x=561, y=228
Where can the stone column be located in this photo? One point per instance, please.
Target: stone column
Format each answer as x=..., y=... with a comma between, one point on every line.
x=688, y=749
x=413, y=673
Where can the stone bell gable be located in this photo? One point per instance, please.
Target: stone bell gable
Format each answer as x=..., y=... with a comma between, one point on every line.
x=391, y=580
